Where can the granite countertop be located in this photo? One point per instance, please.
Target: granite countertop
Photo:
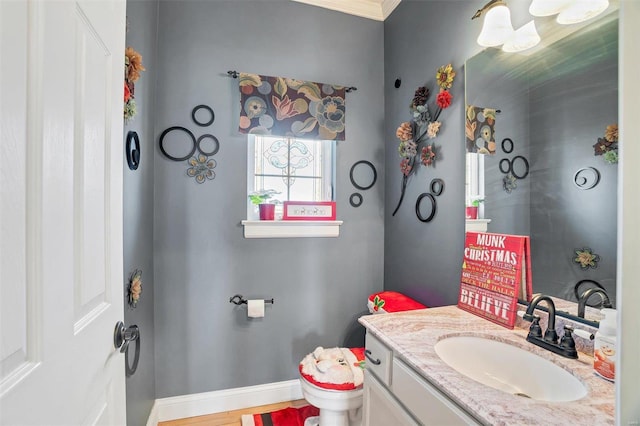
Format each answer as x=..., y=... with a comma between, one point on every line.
x=412, y=336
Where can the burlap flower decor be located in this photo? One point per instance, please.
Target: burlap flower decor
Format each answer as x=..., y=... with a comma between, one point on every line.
x=608, y=146
x=134, y=288
x=132, y=68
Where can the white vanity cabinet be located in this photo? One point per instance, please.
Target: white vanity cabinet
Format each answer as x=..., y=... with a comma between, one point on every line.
x=394, y=394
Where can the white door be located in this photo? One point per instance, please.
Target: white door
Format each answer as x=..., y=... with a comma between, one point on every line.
x=61, y=290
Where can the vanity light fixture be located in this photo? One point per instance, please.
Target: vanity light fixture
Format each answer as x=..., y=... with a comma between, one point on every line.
x=547, y=7
x=569, y=11
x=582, y=10
x=523, y=38
x=497, y=27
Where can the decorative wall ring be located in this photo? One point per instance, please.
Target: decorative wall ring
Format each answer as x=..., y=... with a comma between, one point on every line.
x=215, y=140
x=201, y=123
x=526, y=165
x=352, y=200
x=503, y=147
x=436, y=186
x=433, y=207
x=133, y=154
x=500, y=165
x=576, y=288
x=581, y=178
x=373, y=170
x=187, y=131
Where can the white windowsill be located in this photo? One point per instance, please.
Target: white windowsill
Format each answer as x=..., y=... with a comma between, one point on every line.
x=477, y=225
x=291, y=228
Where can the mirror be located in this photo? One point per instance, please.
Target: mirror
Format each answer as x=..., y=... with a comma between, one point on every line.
x=544, y=179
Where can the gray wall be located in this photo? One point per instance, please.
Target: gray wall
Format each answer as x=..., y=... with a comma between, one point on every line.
x=138, y=209
x=423, y=260
x=320, y=286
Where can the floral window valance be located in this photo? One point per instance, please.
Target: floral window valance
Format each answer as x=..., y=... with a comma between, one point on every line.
x=286, y=107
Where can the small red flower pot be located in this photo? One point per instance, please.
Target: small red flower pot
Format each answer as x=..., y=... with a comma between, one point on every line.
x=267, y=211
x=471, y=212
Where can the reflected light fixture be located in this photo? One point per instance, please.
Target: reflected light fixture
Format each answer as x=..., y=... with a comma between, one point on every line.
x=569, y=11
x=523, y=38
x=497, y=27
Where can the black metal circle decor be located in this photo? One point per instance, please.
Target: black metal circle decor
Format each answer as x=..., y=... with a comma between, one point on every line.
x=504, y=141
x=194, y=114
x=363, y=187
x=589, y=283
x=178, y=128
x=215, y=141
x=133, y=153
x=434, y=207
x=355, y=200
x=524, y=161
x=586, y=178
x=436, y=186
x=502, y=167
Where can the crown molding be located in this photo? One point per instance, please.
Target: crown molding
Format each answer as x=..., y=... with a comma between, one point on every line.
x=371, y=9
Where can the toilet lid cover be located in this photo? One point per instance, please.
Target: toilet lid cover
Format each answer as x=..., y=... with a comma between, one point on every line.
x=334, y=368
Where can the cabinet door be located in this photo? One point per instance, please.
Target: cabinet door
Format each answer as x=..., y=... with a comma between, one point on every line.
x=424, y=401
x=380, y=407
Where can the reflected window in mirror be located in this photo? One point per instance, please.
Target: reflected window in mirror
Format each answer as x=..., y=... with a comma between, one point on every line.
x=474, y=181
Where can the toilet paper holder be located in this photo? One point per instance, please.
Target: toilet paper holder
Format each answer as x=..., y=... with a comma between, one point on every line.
x=239, y=300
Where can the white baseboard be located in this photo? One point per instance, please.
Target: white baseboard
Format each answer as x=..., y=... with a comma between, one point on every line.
x=178, y=407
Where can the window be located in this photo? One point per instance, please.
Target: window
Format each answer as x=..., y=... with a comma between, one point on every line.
x=474, y=178
x=301, y=170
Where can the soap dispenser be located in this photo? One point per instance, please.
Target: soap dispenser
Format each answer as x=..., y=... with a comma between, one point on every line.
x=604, y=346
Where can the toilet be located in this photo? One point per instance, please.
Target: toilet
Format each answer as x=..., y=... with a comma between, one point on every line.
x=331, y=380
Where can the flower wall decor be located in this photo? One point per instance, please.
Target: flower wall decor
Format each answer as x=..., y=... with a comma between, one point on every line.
x=608, y=146
x=132, y=68
x=586, y=258
x=134, y=289
x=416, y=136
x=201, y=168
x=286, y=107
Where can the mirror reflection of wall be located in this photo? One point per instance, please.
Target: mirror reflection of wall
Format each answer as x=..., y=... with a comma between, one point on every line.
x=554, y=105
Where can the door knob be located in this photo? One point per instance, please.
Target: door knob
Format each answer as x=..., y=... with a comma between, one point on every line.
x=122, y=337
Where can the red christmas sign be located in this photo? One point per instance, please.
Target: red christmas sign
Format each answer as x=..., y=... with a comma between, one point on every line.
x=496, y=271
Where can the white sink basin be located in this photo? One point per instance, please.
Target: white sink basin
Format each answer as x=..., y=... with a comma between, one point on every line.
x=509, y=369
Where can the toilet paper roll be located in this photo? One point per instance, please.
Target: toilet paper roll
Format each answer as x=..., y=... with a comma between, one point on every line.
x=255, y=308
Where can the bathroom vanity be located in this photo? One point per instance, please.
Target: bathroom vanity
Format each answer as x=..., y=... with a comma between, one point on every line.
x=407, y=383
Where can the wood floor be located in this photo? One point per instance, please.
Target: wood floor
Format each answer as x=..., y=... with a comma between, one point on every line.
x=231, y=418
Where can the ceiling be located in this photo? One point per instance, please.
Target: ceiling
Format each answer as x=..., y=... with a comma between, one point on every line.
x=372, y=9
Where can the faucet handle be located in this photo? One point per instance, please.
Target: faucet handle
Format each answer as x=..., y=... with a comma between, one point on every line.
x=567, y=343
x=567, y=340
x=535, y=330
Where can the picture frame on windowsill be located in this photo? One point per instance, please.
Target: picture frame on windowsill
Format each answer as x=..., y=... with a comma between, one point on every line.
x=309, y=210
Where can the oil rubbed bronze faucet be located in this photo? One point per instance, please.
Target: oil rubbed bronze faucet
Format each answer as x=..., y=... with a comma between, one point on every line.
x=582, y=302
x=567, y=346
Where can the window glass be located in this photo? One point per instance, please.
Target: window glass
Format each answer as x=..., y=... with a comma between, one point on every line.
x=301, y=170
